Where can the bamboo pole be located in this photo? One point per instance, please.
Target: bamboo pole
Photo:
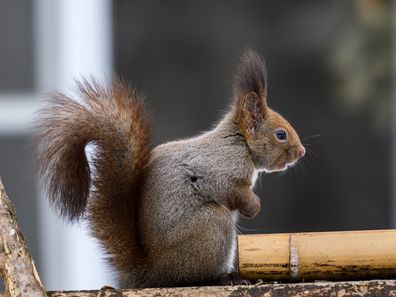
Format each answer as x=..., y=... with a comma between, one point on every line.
x=16, y=265
x=323, y=255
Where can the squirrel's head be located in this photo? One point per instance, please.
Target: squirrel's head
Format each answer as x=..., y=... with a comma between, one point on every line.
x=273, y=143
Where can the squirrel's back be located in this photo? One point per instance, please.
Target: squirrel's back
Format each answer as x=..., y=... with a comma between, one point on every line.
x=113, y=118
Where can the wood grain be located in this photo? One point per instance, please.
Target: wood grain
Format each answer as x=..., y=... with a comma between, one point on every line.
x=339, y=289
x=324, y=255
x=16, y=265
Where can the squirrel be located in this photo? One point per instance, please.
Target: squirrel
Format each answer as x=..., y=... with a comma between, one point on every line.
x=166, y=215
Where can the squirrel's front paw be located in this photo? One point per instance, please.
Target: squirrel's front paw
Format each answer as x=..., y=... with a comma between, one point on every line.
x=251, y=207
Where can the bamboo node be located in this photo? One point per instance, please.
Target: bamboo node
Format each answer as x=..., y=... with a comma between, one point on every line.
x=293, y=259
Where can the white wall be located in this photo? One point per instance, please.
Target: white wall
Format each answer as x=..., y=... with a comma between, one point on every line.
x=73, y=40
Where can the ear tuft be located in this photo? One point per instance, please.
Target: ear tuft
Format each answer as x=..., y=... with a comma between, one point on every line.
x=250, y=93
x=251, y=76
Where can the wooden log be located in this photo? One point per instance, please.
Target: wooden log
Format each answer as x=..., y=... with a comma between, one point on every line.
x=339, y=289
x=318, y=256
x=16, y=265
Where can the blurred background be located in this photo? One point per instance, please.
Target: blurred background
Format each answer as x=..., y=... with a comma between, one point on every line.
x=331, y=73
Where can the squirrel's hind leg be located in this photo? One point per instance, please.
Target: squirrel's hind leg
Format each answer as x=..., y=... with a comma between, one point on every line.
x=197, y=249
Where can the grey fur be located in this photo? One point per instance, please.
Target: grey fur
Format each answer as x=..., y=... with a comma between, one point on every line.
x=166, y=216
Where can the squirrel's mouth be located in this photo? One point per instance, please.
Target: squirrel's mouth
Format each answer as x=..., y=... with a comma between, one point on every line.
x=281, y=165
x=285, y=165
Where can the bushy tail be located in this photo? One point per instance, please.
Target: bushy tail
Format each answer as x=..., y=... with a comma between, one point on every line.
x=114, y=119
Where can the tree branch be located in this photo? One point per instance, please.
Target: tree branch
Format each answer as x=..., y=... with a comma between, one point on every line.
x=16, y=265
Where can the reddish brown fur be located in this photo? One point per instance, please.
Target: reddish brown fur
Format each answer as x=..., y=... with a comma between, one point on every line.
x=114, y=119
x=250, y=114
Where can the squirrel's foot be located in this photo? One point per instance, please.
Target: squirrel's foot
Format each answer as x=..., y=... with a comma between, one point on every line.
x=231, y=279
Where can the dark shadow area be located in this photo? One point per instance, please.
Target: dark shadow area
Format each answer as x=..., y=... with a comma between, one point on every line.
x=17, y=47
x=329, y=75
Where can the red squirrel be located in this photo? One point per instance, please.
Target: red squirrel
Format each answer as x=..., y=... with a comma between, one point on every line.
x=166, y=216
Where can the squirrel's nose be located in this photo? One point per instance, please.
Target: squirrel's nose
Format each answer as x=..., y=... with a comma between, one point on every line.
x=300, y=152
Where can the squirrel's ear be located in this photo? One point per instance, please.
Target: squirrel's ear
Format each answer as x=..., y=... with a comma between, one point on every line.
x=250, y=91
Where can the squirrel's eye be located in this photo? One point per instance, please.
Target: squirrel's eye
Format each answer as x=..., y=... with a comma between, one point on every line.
x=193, y=178
x=281, y=135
